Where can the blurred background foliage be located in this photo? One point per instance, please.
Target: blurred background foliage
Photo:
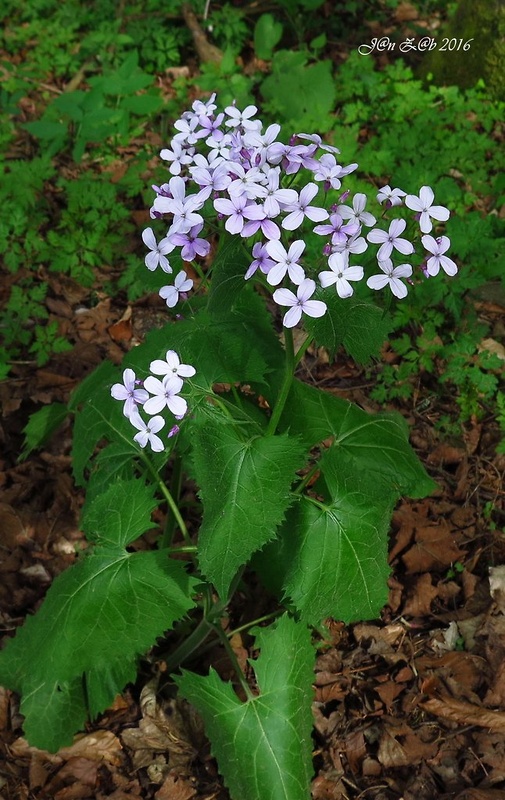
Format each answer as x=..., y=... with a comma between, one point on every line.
x=88, y=95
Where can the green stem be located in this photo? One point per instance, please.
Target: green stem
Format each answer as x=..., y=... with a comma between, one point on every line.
x=303, y=349
x=253, y=622
x=286, y=384
x=312, y=471
x=189, y=645
x=233, y=658
x=170, y=500
x=236, y=395
x=175, y=489
x=204, y=277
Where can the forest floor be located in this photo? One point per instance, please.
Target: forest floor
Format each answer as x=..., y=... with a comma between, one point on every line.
x=408, y=706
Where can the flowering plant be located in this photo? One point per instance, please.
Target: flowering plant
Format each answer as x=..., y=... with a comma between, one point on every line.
x=296, y=485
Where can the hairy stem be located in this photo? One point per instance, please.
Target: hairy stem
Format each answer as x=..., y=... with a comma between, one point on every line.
x=189, y=645
x=175, y=490
x=233, y=658
x=170, y=500
x=286, y=384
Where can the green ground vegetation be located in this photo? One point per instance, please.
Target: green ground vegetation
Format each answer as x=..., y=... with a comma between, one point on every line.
x=87, y=99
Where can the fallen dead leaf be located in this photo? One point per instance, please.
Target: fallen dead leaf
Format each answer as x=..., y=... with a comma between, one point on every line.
x=122, y=331
x=418, y=603
x=410, y=750
x=325, y=789
x=175, y=788
x=464, y=713
x=73, y=781
x=480, y=794
x=446, y=454
x=497, y=586
x=100, y=746
x=406, y=12
x=355, y=750
x=435, y=549
x=492, y=346
x=490, y=747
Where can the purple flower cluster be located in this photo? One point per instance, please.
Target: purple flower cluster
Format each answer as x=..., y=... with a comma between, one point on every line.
x=264, y=190
x=153, y=395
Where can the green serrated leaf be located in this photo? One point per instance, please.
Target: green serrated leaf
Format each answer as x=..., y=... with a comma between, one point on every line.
x=375, y=444
x=263, y=746
x=335, y=553
x=219, y=347
x=120, y=515
x=101, y=377
x=245, y=489
x=102, y=683
x=361, y=327
x=97, y=616
x=98, y=416
x=41, y=426
x=94, y=422
x=53, y=712
x=228, y=269
x=113, y=463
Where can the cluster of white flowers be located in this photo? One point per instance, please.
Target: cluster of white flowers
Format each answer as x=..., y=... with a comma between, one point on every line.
x=227, y=164
x=240, y=170
x=153, y=396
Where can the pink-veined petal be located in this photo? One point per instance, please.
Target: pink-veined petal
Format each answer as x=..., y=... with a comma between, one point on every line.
x=276, y=251
x=149, y=238
x=276, y=274
x=426, y=196
x=398, y=288
x=378, y=281
x=292, y=317
x=177, y=405
x=306, y=289
x=284, y=297
x=315, y=308
x=296, y=273
x=296, y=249
x=327, y=278
x=293, y=220
x=448, y=265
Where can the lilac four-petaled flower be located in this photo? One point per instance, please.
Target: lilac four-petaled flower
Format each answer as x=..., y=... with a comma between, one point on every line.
x=299, y=302
x=130, y=392
x=391, y=239
x=425, y=208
